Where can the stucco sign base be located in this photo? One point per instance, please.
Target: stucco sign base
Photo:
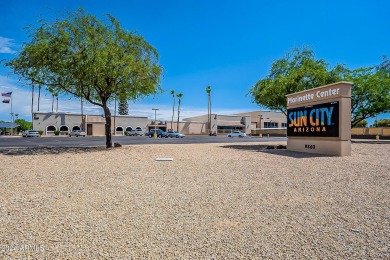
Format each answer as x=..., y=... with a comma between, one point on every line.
x=337, y=148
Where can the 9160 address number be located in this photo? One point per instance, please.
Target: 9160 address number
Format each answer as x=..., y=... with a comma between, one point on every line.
x=310, y=146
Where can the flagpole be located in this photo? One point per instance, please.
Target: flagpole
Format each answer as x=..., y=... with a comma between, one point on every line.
x=32, y=105
x=12, y=115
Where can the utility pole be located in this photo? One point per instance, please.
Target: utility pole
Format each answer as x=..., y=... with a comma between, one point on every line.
x=155, y=122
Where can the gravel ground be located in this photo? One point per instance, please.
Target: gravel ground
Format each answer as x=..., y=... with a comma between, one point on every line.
x=213, y=201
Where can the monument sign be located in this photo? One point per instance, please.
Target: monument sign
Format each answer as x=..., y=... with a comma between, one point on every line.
x=319, y=120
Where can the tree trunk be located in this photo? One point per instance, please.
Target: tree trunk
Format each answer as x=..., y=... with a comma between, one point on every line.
x=32, y=105
x=39, y=95
x=52, y=103
x=178, y=116
x=173, y=112
x=82, y=113
x=210, y=112
x=107, y=115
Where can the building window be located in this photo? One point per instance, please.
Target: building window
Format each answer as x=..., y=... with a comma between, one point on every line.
x=271, y=125
x=129, y=128
x=76, y=127
x=64, y=129
x=51, y=128
x=284, y=125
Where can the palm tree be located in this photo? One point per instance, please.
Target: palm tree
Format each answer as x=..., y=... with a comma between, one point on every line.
x=173, y=107
x=208, y=91
x=179, y=96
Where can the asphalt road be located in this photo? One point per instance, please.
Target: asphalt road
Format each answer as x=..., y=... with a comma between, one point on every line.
x=14, y=142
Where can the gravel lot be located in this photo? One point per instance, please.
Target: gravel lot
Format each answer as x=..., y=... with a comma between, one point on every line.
x=213, y=201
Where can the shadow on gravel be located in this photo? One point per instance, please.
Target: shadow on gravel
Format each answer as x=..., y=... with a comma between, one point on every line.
x=49, y=150
x=370, y=142
x=282, y=152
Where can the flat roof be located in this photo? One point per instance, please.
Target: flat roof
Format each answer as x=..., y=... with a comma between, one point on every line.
x=8, y=125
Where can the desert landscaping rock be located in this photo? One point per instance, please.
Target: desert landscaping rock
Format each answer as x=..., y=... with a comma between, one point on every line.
x=214, y=201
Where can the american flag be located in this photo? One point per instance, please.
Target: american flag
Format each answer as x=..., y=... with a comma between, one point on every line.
x=7, y=94
x=6, y=100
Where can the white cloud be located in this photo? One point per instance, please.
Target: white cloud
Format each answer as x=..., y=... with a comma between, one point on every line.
x=6, y=45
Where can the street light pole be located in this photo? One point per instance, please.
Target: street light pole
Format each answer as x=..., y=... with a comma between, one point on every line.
x=261, y=117
x=155, y=127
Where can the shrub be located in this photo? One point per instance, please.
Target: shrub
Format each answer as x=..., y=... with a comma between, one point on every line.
x=57, y=132
x=40, y=132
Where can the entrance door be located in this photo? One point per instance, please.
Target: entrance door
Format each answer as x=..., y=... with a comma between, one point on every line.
x=89, y=129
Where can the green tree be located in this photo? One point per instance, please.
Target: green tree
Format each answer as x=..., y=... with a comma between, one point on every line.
x=384, y=123
x=385, y=64
x=299, y=70
x=92, y=59
x=173, y=107
x=362, y=123
x=123, y=108
x=208, y=91
x=370, y=93
x=23, y=125
x=179, y=96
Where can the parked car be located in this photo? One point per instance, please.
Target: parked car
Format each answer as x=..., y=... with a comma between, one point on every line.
x=176, y=134
x=237, y=134
x=160, y=133
x=135, y=132
x=77, y=133
x=31, y=133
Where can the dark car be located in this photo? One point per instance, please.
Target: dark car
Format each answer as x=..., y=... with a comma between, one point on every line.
x=160, y=133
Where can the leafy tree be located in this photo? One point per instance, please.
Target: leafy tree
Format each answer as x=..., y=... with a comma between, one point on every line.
x=299, y=70
x=385, y=64
x=370, y=93
x=23, y=125
x=179, y=96
x=123, y=108
x=384, y=123
x=92, y=59
x=362, y=123
x=173, y=107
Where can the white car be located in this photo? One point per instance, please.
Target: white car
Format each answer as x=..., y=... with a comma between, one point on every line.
x=237, y=134
x=77, y=133
x=31, y=133
x=176, y=134
x=135, y=132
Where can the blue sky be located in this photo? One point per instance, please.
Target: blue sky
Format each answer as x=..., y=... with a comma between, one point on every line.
x=228, y=45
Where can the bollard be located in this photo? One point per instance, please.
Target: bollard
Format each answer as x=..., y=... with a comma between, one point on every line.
x=155, y=135
x=260, y=135
x=377, y=137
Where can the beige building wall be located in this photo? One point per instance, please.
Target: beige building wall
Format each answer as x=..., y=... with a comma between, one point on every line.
x=371, y=131
x=242, y=121
x=266, y=116
x=47, y=122
x=190, y=127
x=93, y=125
